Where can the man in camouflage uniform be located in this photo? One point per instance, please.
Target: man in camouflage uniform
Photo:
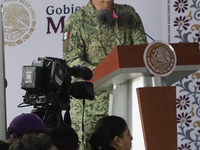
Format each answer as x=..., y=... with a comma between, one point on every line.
x=87, y=43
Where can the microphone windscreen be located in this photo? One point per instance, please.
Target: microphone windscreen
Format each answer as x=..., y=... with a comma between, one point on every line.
x=104, y=17
x=126, y=19
x=81, y=71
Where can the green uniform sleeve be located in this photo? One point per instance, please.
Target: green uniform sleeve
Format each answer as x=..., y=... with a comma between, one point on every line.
x=74, y=46
x=138, y=36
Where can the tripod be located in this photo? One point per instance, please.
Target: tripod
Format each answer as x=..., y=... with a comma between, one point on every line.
x=51, y=115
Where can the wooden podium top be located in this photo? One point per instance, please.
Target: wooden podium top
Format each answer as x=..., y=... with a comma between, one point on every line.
x=126, y=62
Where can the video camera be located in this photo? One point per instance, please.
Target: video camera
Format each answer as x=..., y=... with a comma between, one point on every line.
x=48, y=82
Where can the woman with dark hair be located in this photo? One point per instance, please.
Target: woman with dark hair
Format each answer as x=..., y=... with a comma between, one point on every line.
x=111, y=133
x=64, y=138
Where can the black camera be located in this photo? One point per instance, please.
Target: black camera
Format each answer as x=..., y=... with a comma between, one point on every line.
x=49, y=87
x=48, y=80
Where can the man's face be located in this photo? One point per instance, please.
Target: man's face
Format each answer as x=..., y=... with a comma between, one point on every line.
x=99, y=4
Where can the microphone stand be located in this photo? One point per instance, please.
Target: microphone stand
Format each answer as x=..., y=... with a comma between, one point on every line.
x=115, y=33
x=146, y=34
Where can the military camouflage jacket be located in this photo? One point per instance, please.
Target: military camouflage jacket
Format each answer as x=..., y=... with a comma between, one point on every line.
x=88, y=43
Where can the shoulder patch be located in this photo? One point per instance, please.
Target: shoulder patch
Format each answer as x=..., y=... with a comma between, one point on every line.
x=66, y=36
x=66, y=32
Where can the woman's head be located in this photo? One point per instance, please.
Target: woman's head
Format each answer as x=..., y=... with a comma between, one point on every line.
x=111, y=132
x=64, y=137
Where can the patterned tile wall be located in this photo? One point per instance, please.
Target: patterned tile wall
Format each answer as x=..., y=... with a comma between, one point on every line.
x=183, y=18
x=183, y=21
x=188, y=112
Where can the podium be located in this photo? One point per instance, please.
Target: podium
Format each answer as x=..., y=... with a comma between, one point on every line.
x=146, y=102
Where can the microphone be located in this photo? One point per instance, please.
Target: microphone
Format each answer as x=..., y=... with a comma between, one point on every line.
x=126, y=19
x=80, y=71
x=104, y=17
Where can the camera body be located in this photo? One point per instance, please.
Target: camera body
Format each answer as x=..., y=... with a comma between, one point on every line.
x=48, y=80
x=44, y=81
x=48, y=85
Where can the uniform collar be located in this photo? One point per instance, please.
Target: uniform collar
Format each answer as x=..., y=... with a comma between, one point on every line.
x=91, y=9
